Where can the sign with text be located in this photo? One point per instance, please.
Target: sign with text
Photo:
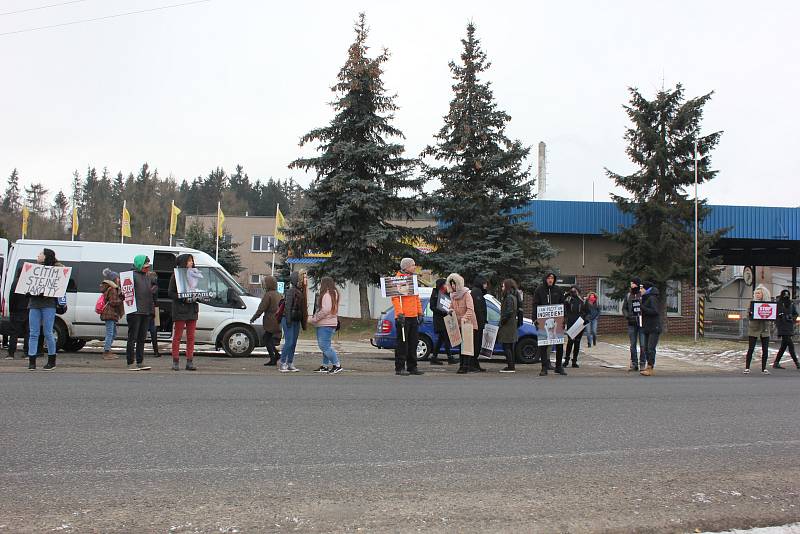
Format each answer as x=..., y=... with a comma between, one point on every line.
x=453, y=330
x=128, y=293
x=399, y=286
x=576, y=328
x=44, y=280
x=444, y=302
x=765, y=311
x=551, y=321
x=281, y=286
x=489, y=340
x=191, y=284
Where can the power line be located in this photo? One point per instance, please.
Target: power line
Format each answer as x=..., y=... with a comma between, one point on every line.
x=107, y=17
x=41, y=7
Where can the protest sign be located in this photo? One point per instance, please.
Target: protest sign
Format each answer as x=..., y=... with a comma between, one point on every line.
x=467, y=341
x=281, y=286
x=551, y=320
x=191, y=284
x=399, y=286
x=128, y=293
x=764, y=311
x=444, y=302
x=576, y=328
x=453, y=330
x=489, y=340
x=44, y=280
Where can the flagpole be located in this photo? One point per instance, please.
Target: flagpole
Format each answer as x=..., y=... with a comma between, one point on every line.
x=122, y=222
x=277, y=210
x=72, y=226
x=216, y=250
x=696, y=302
x=171, y=211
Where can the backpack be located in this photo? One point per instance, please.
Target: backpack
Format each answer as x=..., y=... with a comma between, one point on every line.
x=281, y=310
x=61, y=305
x=100, y=305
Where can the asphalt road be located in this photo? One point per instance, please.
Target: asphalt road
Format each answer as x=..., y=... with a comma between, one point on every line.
x=184, y=452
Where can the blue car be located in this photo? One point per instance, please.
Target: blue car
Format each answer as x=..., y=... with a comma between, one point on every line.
x=386, y=334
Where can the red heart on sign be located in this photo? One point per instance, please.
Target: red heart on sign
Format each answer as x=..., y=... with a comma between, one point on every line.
x=66, y=272
x=27, y=267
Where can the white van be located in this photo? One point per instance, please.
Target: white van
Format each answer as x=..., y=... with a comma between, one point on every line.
x=223, y=321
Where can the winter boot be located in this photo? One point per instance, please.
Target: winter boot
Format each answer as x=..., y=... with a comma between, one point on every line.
x=647, y=371
x=51, y=363
x=176, y=365
x=190, y=366
x=31, y=363
x=273, y=360
x=450, y=360
x=462, y=367
x=435, y=360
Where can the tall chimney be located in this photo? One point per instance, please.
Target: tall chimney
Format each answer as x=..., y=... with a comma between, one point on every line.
x=542, y=176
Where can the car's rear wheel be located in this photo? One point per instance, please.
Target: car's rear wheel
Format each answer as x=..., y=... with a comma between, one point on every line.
x=238, y=341
x=424, y=347
x=526, y=350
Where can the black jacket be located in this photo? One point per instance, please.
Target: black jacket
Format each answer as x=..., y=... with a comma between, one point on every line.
x=544, y=296
x=631, y=307
x=479, y=302
x=574, y=307
x=182, y=309
x=651, y=316
x=438, y=315
x=787, y=314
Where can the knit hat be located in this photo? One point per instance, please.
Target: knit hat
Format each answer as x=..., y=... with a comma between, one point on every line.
x=139, y=261
x=108, y=274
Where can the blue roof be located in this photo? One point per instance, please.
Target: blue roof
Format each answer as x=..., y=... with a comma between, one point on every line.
x=304, y=261
x=594, y=218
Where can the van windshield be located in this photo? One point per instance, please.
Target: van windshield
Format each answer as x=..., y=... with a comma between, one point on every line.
x=220, y=285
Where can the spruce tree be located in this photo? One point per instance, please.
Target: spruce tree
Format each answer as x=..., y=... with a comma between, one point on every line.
x=360, y=175
x=11, y=199
x=485, y=184
x=200, y=238
x=659, y=246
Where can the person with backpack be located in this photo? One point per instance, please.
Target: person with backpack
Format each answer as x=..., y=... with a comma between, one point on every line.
x=574, y=308
x=651, y=324
x=269, y=305
x=547, y=294
x=508, y=333
x=480, y=286
x=757, y=329
x=144, y=291
x=294, y=318
x=439, y=294
x=592, y=315
x=464, y=310
x=185, y=311
x=110, y=308
x=632, y=311
x=787, y=316
x=42, y=316
x=326, y=320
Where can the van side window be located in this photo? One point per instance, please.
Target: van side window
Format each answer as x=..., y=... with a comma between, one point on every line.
x=219, y=286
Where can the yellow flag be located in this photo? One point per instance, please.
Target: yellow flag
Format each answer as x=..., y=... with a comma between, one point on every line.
x=280, y=223
x=25, y=215
x=173, y=219
x=220, y=221
x=75, y=221
x=126, y=223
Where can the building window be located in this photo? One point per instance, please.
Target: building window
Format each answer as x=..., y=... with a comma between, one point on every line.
x=255, y=279
x=263, y=243
x=609, y=306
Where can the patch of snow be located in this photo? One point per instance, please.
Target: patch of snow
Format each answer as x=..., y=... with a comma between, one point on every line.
x=793, y=528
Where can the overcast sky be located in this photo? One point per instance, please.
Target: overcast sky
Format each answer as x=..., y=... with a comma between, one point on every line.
x=239, y=81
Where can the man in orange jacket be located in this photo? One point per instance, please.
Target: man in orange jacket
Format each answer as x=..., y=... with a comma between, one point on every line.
x=408, y=317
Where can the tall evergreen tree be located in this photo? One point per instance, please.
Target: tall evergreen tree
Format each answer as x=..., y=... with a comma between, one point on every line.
x=485, y=184
x=36, y=198
x=200, y=238
x=659, y=246
x=60, y=212
x=11, y=198
x=359, y=178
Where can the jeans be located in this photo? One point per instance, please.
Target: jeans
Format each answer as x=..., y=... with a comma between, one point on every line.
x=137, y=332
x=324, y=337
x=635, y=334
x=39, y=318
x=291, y=331
x=442, y=339
x=651, y=341
x=189, y=326
x=591, y=332
x=111, y=333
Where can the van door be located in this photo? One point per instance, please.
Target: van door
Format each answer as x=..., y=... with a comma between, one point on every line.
x=220, y=307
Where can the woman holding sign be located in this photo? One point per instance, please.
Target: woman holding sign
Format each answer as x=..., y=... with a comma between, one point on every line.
x=757, y=328
x=184, y=315
x=42, y=315
x=464, y=310
x=439, y=304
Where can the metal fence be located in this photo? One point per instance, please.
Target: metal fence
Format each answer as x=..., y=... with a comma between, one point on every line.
x=726, y=317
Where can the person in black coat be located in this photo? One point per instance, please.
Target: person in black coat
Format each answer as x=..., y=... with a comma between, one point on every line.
x=479, y=288
x=574, y=307
x=546, y=294
x=440, y=292
x=185, y=310
x=651, y=324
x=18, y=327
x=787, y=315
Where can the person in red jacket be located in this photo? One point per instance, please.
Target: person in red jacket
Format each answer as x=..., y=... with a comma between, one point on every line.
x=408, y=316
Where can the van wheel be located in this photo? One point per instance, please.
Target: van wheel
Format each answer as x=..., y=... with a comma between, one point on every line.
x=74, y=344
x=526, y=350
x=61, y=335
x=238, y=341
x=424, y=347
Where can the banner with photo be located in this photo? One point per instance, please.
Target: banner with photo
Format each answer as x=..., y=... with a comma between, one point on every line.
x=489, y=340
x=48, y=281
x=551, y=322
x=191, y=284
x=399, y=286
